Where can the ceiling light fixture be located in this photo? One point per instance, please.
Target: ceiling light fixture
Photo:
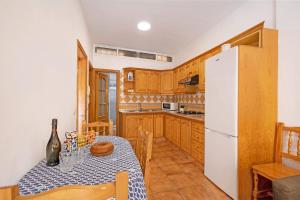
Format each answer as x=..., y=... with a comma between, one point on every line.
x=144, y=26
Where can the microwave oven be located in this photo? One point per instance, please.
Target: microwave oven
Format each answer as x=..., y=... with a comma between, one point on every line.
x=169, y=106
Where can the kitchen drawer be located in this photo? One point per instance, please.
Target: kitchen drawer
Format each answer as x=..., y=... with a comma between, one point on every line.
x=197, y=126
x=198, y=136
x=199, y=146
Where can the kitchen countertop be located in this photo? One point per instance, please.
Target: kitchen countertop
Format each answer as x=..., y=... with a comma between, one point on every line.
x=199, y=118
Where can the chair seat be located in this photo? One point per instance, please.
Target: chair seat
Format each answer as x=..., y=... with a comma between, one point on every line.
x=286, y=188
x=275, y=171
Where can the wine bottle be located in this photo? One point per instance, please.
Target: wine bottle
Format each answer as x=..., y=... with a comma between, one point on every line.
x=53, y=147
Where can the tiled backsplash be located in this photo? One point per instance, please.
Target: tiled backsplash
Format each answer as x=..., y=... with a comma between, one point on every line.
x=152, y=101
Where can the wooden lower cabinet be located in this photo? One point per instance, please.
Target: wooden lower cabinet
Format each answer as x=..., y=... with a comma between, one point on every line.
x=185, y=135
x=158, y=125
x=168, y=127
x=176, y=131
x=130, y=124
x=197, y=141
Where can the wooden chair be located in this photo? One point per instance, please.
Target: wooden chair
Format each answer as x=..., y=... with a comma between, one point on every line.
x=144, y=152
x=101, y=128
x=287, y=146
x=118, y=189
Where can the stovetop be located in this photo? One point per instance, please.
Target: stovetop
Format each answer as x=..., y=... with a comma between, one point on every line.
x=190, y=112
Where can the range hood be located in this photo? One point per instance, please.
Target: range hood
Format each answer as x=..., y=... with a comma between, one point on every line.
x=194, y=80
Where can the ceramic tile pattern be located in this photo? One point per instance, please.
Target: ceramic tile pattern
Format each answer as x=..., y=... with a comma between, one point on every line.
x=175, y=175
x=151, y=99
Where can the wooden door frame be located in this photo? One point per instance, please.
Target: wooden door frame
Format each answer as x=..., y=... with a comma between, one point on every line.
x=93, y=97
x=81, y=104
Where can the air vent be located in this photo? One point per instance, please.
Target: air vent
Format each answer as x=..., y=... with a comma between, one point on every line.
x=106, y=51
x=149, y=56
x=164, y=58
x=127, y=53
x=131, y=53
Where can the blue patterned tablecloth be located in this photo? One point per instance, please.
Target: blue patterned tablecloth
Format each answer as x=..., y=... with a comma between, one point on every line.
x=94, y=170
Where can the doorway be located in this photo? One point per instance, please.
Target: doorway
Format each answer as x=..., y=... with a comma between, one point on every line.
x=104, y=96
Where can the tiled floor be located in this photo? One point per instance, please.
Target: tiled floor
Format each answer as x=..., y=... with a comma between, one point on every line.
x=176, y=176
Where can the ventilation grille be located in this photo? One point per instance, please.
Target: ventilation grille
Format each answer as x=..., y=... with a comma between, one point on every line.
x=132, y=54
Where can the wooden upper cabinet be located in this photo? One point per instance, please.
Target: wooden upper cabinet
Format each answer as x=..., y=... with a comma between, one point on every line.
x=154, y=82
x=141, y=83
x=201, y=71
x=166, y=81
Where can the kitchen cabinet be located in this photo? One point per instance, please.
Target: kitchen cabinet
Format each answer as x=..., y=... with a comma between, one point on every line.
x=185, y=135
x=197, y=141
x=153, y=80
x=166, y=82
x=176, y=131
x=168, y=127
x=201, y=71
x=130, y=124
x=141, y=83
x=158, y=125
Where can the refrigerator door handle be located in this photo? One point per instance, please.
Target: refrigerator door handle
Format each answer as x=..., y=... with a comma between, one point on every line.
x=221, y=133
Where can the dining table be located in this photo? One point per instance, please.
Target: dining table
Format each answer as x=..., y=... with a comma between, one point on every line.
x=92, y=171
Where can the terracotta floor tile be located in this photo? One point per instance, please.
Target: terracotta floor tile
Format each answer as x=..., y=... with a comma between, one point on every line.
x=168, y=196
x=171, y=169
x=181, y=180
x=162, y=185
x=176, y=175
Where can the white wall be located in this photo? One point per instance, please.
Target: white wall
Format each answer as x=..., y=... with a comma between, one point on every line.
x=288, y=16
x=37, y=78
x=119, y=62
x=286, y=19
x=246, y=16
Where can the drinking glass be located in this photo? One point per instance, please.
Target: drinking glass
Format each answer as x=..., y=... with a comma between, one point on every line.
x=67, y=161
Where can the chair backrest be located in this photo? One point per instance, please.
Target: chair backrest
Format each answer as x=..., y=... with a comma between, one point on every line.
x=118, y=189
x=287, y=143
x=101, y=128
x=144, y=152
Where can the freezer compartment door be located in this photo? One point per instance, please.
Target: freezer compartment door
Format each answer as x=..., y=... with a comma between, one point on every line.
x=221, y=92
x=221, y=161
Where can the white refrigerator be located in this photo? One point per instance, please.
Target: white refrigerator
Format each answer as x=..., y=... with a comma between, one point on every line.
x=221, y=134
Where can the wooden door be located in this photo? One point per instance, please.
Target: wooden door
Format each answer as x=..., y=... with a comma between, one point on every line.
x=82, y=73
x=132, y=123
x=158, y=125
x=176, y=131
x=167, y=82
x=147, y=122
x=185, y=135
x=141, y=83
x=101, y=93
x=154, y=82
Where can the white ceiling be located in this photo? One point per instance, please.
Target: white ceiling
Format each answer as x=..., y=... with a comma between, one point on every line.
x=175, y=23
